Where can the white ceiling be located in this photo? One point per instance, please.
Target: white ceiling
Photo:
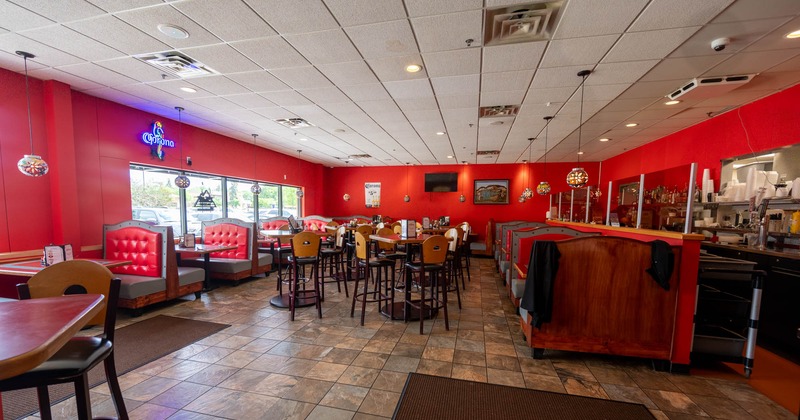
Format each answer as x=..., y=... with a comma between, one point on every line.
x=340, y=64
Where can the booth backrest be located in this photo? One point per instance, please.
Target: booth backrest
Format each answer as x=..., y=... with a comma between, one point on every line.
x=274, y=223
x=522, y=240
x=508, y=228
x=343, y=220
x=315, y=222
x=228, y=231
x=140, y=242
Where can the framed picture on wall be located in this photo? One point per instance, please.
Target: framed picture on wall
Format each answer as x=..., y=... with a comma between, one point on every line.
x=491, y=191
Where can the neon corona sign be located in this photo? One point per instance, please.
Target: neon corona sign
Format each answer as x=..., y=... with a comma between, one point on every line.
x=155, y=139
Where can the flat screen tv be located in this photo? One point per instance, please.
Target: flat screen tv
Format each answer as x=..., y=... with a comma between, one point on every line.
x=441, y=182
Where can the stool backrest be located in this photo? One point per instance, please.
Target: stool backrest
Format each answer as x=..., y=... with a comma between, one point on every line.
x=362, y=246
x=306, y=244
x=434, y=250
x=385, y=246
x=339, y=238
x=365, y=230
x=453, y=244
x=397, y=229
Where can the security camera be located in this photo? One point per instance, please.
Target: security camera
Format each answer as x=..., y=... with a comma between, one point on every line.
x=719, y=44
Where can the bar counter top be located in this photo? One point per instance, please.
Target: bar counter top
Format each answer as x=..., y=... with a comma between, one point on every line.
x=790, y=253
x=628, y=230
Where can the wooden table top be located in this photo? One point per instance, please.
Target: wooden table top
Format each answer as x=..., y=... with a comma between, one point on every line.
x=397, y=239
x=29, y=268
x=204, y=249
x=35, y=329
x=288, y=234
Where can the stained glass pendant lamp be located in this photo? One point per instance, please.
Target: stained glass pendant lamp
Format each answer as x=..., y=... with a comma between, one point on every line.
x=462, y=198
x=407, y=198
x=299, y=189
x=577, y=177
x=544, y=187
x=32, y=164
x=255, y=188
x=181, y=181
x=527, y=193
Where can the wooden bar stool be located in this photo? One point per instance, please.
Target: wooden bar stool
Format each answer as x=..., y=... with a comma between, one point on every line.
x=431, y=273
x=305, y=252
x=333, y=261
x=380, y=292
x=454, y=267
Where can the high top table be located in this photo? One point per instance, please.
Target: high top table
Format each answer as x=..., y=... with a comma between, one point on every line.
x=205, y=251
x=281, y=300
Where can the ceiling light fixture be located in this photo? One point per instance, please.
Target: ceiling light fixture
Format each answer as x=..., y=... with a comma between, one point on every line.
x=181, y=181
x=413, y=68
x=544, y=187
x=173, y=31
x=32, y=164
x=577, y=177
x=604, y=140
x=449, y=156
x=440, y=133
x=189, y=90
x=255, y=188
x=793, y=34
x=631, y=125
x=674, y=102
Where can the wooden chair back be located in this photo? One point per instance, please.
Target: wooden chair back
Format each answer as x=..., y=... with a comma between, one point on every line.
x=396, y=228
x=362, y=246
x=434, y=250
x=385, y=246
x=453, y=244
x=306, y=244
x=365, y=230
x=339, y=238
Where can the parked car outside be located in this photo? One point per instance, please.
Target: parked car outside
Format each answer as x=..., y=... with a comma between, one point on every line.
x=159, y=216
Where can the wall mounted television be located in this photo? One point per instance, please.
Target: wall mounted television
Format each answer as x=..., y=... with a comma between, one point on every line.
x=441, y=182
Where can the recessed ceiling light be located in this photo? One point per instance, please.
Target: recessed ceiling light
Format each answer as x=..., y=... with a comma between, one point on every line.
x=604, y=140
x=672, y=102
x=580, y=153
x=631, y=125
x=188, y=89
x=440, y=133
x=449, y=156
x=303, y=139
x=173, y=31
x=794, y=34
x=413, y=68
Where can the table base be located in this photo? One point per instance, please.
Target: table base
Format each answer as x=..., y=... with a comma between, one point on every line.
x=399, y=312
x=282, y=301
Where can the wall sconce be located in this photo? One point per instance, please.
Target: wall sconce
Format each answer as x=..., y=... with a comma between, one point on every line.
x=346, y=197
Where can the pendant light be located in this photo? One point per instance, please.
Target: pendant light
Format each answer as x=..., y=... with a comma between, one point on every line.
x=255, y=188
x=407, y=198
x=181, y=181
x=299, y=189
x=544, y=187
x=577, y=177
x=32, y=164
x=527, y=193
x=462, y=198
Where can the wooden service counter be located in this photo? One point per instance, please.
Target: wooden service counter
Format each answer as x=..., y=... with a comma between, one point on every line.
x=687, y=279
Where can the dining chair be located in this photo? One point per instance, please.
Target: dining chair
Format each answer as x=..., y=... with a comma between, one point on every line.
x=383, y=285
x=430, y=270
x=73, y=362
x=333, y=261
x=465, y=251
x=305, y=252
x=454, y=267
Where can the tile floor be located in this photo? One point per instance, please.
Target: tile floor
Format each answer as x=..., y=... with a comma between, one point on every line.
x=265, y=366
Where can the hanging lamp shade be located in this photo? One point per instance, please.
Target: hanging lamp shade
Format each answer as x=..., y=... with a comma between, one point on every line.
x=544, y=187
x=255, y=188
x=32, y=164
x=577, y=177
x=299, y=189
x=181, y=181
x=407, y=197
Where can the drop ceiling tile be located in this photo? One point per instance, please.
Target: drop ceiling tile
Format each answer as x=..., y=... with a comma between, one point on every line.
x=294, y=17
x=683, y=68
x=604, y=92
x=222, y=58
x=393, y=68
x=17, y=18
x=365, y=92
x=45, y=55
x=64, y=10
x=148, y=19
x=380, y=107
x=459, y=101
x=218, y=85
x=584, y=18
x=250, y=101
x=630, y=104
x=751, y=62
x=424, y=103
x=744, y=10
x=654, y=114
x=75, y=82
x=258, y=81
x=271, y=53
x=150, y=93
x=386, y=39
x=614, y=73
x=677, y=14
x=552, y=95
x=438, y=33
x=117, y=34
x=13, y=62
x=648, y=45
x=420, y=115
x=238, y=22
x=742, y=34
x=324, y=47
x=273, y=113
x=776, y=40
x=734, y=98
x=409, y=89
x=439, y=7
x=511, y=57
x=557, y=77
x=577, y=51
x=328, y=95
x=773, y=80
x=73, y=43
x=97, y=74
x=457, y=85
x=302, y=77
x=361, y=12
x=507, y=97
x=510, y=80
x=286, y=98
x=349, y=73
x=652, y=90
x=453, y=63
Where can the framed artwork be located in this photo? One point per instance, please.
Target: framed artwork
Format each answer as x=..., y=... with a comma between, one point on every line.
x=490, y=191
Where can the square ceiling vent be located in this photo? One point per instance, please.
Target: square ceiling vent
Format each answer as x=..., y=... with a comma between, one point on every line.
x=177, y=64
x=498, y=111
x=521, y=23
x=294, y=122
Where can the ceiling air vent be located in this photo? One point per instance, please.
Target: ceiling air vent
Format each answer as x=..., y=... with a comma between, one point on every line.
x=521, y=23
x=176, y=64
x=709, y=87
x=487, y=152
x=294, y=122
x=361, y=156
x=499, y=111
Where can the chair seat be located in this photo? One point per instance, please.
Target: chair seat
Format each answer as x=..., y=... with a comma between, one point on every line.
x=416, y=266
x=394, y=255
x=76, y=357
x=304, y=260
x=331, y=251
x=381, y=262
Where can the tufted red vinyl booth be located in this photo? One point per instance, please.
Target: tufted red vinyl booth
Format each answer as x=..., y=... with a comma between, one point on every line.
x=315, y=223
x=343, y=220
x=274, y=223
x=135, y=244
x=228, y=234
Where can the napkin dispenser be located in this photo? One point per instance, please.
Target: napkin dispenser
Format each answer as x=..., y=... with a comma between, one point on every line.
x=54, y=254
x=408, y=229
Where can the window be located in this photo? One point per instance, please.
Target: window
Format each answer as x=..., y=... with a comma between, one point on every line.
x=155, y=198
x=240, y=200
x=290, y=201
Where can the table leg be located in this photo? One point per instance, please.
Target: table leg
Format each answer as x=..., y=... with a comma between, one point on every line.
x=206, y=263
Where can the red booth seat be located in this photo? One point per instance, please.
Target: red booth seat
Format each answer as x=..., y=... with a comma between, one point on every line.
x=154, y=275
x=315, y=223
